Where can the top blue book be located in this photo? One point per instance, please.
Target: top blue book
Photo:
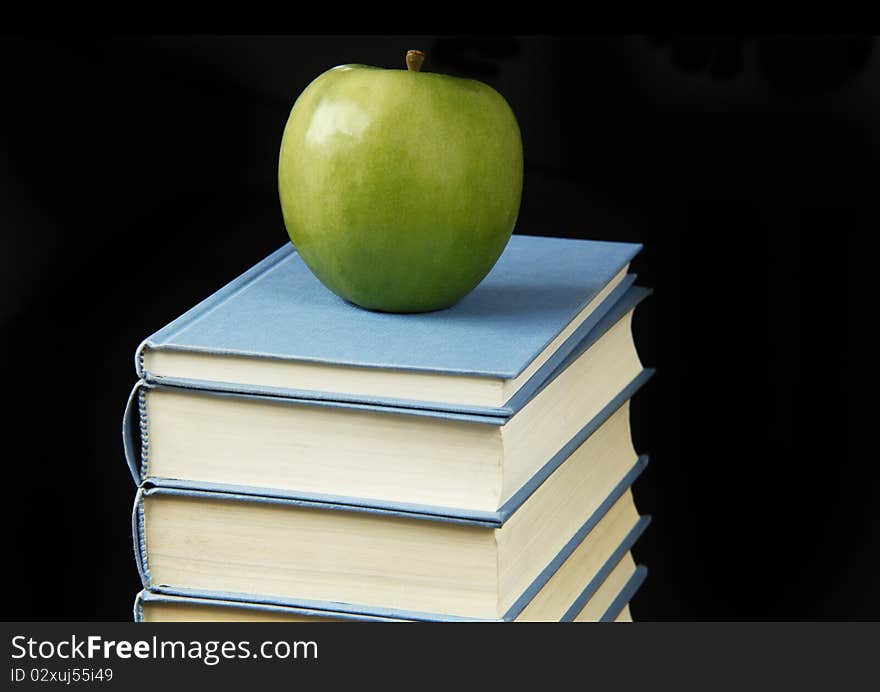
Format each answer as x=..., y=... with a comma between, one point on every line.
x=276, y=330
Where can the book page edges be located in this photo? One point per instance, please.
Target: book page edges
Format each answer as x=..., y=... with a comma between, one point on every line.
x=621, y=283
x=626, y=594
x=496, y=518
x=606, y=569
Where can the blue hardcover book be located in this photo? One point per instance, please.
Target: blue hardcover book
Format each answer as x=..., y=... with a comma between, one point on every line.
x=459, y=464
x=564, y=555
x=604, y=602
x=276, y=330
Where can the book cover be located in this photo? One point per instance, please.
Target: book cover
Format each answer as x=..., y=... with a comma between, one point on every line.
x=623, y=598
x=545, y=574
x=136, y=434
x=521, y=314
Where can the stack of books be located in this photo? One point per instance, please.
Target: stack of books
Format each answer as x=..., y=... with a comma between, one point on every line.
x=300, y=458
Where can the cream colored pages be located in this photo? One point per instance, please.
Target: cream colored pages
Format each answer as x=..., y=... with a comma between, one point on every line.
x=361, y=382
x=597, y=606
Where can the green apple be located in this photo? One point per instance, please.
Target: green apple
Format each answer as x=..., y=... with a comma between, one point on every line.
x=400, y=188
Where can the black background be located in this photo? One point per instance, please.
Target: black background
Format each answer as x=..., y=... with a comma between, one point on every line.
x=140, y=175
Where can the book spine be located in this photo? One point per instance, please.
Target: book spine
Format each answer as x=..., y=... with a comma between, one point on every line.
x=139, y=358
x=626, y=594
x=139, y=541
x=135, y=440
x=137, y=610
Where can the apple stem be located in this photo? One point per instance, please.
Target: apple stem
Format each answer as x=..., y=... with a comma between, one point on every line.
x=414, y=60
